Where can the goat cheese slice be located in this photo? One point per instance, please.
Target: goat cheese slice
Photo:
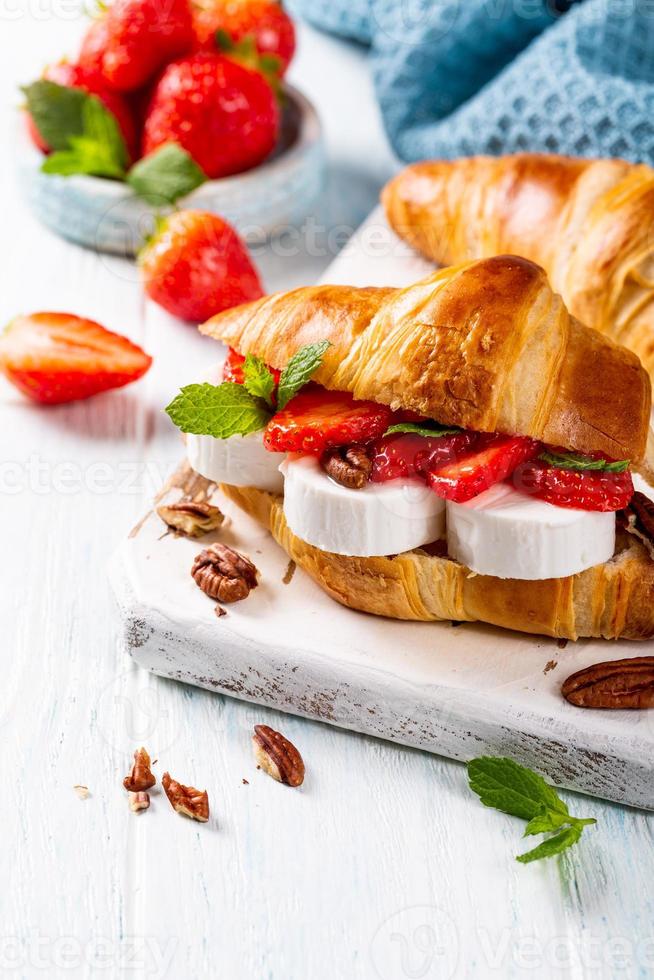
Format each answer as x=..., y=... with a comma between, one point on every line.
x=380, y=519
x=241, y=461
x=509, y=534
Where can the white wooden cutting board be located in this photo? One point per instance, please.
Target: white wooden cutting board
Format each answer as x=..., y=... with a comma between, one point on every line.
x=458, y=690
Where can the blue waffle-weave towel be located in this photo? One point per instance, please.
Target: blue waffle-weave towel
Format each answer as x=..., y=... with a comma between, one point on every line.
x=458, y=77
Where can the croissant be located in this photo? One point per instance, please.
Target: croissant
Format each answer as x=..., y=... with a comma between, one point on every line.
x=487, y=346
x=588, y=223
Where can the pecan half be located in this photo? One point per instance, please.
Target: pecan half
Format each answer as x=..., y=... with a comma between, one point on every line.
x=139, y=801
x=193, y=803
x=277, y=756
x=638, y=519
x=614, y=684
x=190, y=517
x=348, y=465
x=141, y=777
x=223, y=574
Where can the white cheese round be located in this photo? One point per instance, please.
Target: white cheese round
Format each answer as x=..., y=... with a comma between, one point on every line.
x=239, y=460
x=381, y=519
x=509, y=534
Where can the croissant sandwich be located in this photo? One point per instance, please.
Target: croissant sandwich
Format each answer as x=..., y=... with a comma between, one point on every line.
x=459, y=449
x=588, y=223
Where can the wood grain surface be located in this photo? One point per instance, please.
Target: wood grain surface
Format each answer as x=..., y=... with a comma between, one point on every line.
x=382, y=865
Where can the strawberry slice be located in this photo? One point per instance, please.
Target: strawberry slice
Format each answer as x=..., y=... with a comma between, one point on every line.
x=315, y=420
x=233, y=368
x=58, y=357
x=493, y=459
x=406, y=454
x=578, y=489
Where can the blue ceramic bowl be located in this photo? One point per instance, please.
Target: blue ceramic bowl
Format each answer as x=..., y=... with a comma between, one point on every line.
x=107, y=216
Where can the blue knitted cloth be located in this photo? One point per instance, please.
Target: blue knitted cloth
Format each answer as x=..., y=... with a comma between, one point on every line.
x=457, y=77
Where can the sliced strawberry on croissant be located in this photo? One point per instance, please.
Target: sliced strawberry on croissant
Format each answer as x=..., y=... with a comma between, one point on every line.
x=493, y=459
x=315, y=420
x=579, y=489
x=59, y=357
x=233, y=368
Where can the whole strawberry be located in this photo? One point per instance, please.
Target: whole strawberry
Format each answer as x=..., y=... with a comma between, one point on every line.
x=264, y=20
x=196, y=266
x=135, y=39
x=74, y=76
x=223, y=114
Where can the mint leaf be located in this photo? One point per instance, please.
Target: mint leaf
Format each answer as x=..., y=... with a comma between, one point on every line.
x=545, y=822
x=56, y=111
x=511, y=788
x=553, y=845
x=218, y=410
x=100, y=149
x=299, y=370
x=514, y=789
x=428, y=428
x=577, y=461
x=258, y=378
x=165, y=175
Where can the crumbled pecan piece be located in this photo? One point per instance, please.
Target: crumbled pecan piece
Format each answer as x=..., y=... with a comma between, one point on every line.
x=193, y=803
x=191, y=517
x=638, y=519
x=614, y=684
x=223, y=574
x=348, y=465
x=139, y=801
x=277, y=756
x=141, y=777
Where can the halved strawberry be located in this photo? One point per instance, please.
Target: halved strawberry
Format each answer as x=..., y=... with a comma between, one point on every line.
x=405, y=454
x=233, y=368
x=317, y=419
x=58, y=357
x=493, y=459
x=578, y=489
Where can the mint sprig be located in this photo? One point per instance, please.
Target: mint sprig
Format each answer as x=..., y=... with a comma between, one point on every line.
x=258, y=378
x=504, y=785
x=577, y=461
x=231, y=409
x=427, y=428
x=299, y=370
x=165, y=175
x=220, y=411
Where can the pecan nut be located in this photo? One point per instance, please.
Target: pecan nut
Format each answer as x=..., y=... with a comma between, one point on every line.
x=348, y=465
x=638, y=519
x=223, y=574
x=614, y=684
x=139, y=801
x=191, y=517
x=141, y=776
x=277, y=756
x=188, y=800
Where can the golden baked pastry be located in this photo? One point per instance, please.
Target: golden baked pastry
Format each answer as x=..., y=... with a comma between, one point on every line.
x=489, y=346
x=588, y=223
x=486, y=345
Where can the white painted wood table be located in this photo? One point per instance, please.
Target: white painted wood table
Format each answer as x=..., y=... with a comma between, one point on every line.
x=383, y=864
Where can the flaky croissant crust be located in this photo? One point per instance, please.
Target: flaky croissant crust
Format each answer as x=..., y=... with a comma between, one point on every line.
x=589, y=223
x=486, y=345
